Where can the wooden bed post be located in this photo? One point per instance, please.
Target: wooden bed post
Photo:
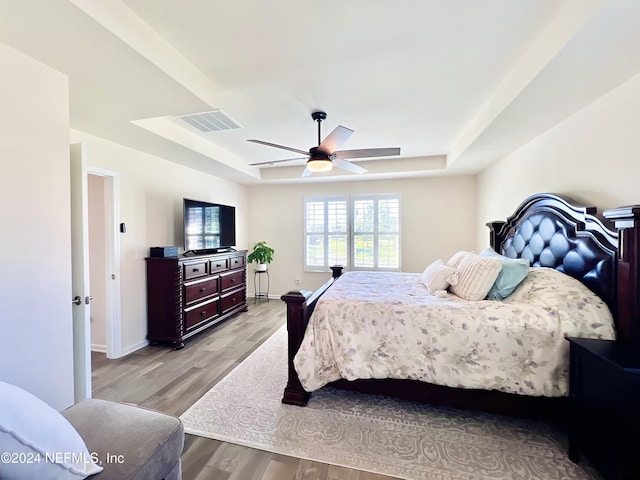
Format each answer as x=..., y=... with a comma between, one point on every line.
x=627, y=222
x=495, y=234
x=296, y=302
x=300, y=305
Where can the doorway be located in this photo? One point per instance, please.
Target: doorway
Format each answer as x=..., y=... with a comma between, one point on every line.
x=108, y=266
x=104, y=261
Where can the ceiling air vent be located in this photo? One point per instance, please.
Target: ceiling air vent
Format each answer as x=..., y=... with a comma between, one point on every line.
x=212, y=121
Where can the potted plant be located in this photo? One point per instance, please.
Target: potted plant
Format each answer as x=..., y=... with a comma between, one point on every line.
x=262, y=254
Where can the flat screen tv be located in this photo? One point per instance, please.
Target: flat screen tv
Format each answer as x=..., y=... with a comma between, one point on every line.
x=208, y=226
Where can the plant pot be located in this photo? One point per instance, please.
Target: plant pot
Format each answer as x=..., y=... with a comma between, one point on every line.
x=262, y=267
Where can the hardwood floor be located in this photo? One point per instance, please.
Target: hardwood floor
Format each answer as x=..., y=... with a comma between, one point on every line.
x=171, y=381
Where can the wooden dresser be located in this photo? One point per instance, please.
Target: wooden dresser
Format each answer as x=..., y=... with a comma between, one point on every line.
x=186, y=295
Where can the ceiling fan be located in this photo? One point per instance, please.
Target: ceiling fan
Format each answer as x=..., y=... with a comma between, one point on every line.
x=326, y=155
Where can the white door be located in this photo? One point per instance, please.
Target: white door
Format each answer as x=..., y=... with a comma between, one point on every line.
x=80, y=276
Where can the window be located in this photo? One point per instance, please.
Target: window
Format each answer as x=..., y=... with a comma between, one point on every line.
x=376, y=231
x=326, y=233
x=360, y=233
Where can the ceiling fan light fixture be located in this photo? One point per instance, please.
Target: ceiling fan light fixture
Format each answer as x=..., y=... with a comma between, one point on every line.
x=323, y=156
x=319, y=165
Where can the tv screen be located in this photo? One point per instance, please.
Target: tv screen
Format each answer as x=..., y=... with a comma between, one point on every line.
x=208, y=226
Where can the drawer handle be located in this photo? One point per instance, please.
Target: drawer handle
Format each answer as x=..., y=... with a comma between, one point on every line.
x=218, y=265
x=195, y=270
x=233, y=280
x=203, y=313
x=203, y=290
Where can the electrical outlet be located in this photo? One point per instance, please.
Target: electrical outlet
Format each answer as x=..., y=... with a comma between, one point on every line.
x=141, y=253
x=297, y=281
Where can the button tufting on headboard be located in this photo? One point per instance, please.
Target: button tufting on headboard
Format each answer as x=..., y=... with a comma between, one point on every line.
x=551, y=231
x=553, y=243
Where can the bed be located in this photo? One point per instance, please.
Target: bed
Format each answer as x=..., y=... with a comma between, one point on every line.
x=561, y=241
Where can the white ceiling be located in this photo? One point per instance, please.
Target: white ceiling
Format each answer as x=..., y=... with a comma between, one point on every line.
x=455, y=84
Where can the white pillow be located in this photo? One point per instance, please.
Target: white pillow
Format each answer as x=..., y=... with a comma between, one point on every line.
x=438, y=276
x=476, y=276
x=457, y=257
x=43, y=442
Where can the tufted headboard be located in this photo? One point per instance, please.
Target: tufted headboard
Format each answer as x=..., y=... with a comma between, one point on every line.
x=551, y=230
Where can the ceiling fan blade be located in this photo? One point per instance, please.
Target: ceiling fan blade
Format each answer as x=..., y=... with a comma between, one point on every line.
x=291, y=149
x=336, y=138
x=367, y=153
x=348, y=166
x=277, y=161
x=306, y=172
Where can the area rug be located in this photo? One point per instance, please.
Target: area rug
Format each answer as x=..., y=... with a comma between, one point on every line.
x=375, y=433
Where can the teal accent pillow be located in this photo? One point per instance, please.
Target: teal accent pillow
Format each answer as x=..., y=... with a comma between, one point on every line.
x=514, y=271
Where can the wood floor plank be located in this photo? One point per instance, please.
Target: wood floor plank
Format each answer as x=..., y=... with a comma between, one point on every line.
x=209, y=473
x=170, y=381
x=310, y=470
x=341, y=473
x=227, y=457
x=197, y=454
x=280, y=469
x=373, y=476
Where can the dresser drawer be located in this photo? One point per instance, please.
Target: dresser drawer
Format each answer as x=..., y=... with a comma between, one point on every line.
x=195, y=270
x=201, y=290
x=233, y=299
x=236, y=262
x=218, y=265
x=231, y=280
x=200, y=313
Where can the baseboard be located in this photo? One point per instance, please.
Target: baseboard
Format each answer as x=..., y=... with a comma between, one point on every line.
x=98, y=348
x=134, y=347
x=252, y=296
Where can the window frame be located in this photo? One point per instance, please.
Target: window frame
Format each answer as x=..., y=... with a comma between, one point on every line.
x=325, y=200
x=350, y=233
x=375, y=198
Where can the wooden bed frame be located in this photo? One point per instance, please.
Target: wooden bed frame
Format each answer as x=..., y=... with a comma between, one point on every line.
x=551, y=231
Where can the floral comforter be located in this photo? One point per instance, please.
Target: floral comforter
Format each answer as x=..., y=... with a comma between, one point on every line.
x=386, y=325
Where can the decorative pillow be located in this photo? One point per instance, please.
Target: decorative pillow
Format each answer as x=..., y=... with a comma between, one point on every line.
x=457, y=258
x=514, y=271
x=476, y=275
x=438, y=276
x=42, y=441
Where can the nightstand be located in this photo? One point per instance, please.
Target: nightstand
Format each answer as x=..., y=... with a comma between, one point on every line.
x=604, y=391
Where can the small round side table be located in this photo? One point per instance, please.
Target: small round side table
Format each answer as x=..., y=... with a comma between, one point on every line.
x=257, y=285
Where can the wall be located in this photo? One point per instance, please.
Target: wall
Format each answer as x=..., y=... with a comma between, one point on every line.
x=151, y=193
x=35, y=252
x=438, y=218
x=592, y=157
